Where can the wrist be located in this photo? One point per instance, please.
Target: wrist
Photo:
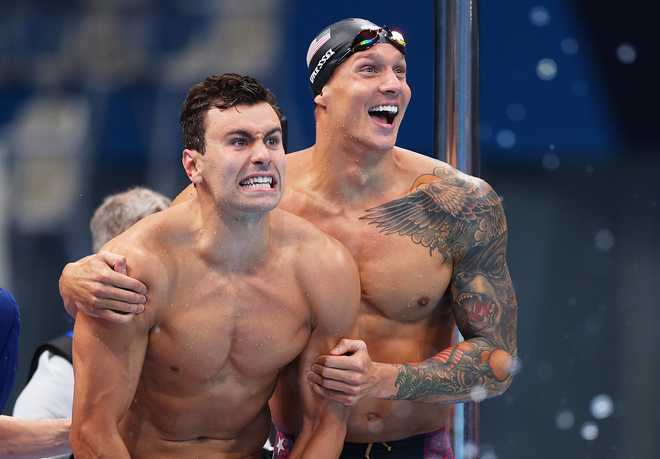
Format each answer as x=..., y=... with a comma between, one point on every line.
x=386, y=374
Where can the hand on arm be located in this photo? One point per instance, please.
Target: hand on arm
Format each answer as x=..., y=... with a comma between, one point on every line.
x=347, y=374
x=98, y=286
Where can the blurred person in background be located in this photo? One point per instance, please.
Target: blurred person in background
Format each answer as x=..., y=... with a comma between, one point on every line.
x=430, y=244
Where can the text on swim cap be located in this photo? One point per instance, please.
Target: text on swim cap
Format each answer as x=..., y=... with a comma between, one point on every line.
x=320, y=65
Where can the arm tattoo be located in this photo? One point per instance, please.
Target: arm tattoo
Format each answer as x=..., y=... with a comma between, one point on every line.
x=444, y=212
x=462, y=220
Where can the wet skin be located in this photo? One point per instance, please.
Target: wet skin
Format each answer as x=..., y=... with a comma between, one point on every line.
x=233, y=299
x=430, y=245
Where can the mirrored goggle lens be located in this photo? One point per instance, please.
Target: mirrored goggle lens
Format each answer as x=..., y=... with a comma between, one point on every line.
x=365, y=39
x=369, y=37
x=396, y=37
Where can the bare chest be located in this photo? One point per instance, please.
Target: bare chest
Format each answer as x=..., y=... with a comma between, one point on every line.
x=399, y=277
x=229, y=328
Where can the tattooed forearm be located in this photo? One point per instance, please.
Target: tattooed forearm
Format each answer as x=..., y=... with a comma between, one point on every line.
x=470, y=365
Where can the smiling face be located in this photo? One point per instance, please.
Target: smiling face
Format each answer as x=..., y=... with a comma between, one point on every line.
x=367, y=96
x=243, y=165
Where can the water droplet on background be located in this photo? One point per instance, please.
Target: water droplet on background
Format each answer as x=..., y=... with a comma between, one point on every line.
x=478, y=393
x=550, y=162
x=565, y=420
x=546, y=69
x=506, y=139
x=604, y=240
x=626, y=53
x=569, y=46
x=539, y=16
x=516, y=112
x=470, y=451
x=602, y=406
x=589, y=431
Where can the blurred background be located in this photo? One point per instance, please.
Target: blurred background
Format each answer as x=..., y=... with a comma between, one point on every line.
x=90, y=92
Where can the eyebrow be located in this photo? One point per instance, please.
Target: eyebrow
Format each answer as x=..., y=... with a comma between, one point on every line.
x=375, y=56
x=244, y=133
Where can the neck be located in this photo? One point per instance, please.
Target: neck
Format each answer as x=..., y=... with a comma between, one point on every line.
x=231, y=240
x=345, y=168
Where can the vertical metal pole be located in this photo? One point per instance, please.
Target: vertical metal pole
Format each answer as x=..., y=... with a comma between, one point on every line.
x=456, y=139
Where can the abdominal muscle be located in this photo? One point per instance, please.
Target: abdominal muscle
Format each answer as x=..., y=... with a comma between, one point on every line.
x=228, y=420
x=390, y=341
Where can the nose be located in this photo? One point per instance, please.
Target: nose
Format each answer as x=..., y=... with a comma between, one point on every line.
x=391, y=84
x=261, y=155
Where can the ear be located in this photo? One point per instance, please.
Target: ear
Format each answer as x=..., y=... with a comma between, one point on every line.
x=320, y=99
x=193, y=164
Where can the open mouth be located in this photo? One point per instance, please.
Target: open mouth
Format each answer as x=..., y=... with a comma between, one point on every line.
x=384, y=113
x=258, y=182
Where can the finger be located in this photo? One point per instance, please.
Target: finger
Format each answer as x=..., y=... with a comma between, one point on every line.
x=338, y=386
x=341, y=362
x=117, y=306
x=111, y=259
x=347, y=400
x=112, y=316
x=122, y=281
x=348, y=377
x=103, y=293
x=120, y=266
x=346, y=345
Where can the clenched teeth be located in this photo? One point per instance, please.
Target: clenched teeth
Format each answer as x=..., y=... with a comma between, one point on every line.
x=261, y=181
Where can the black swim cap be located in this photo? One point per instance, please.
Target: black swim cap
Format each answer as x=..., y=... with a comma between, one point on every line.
x=335, y=43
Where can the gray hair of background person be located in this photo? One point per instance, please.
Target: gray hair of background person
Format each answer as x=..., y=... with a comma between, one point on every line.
x=121, y=211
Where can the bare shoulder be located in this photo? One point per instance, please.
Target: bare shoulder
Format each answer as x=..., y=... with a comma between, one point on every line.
x=316, y=251
x=444, y=209
x=325, y=269
x=148, y=248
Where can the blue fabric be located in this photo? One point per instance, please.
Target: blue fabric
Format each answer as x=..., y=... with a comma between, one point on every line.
x=9, y=327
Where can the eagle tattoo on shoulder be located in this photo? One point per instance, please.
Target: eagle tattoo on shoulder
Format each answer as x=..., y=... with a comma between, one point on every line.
x=445, y=211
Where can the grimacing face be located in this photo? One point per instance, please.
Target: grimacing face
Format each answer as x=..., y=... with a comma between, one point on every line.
x=243, y=166
x=367, y=96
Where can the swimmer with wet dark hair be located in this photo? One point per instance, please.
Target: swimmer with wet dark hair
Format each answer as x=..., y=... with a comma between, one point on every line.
x=234, y=298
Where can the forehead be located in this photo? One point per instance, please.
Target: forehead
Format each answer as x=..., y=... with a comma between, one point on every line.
x=257, y=118
x=380, y=51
